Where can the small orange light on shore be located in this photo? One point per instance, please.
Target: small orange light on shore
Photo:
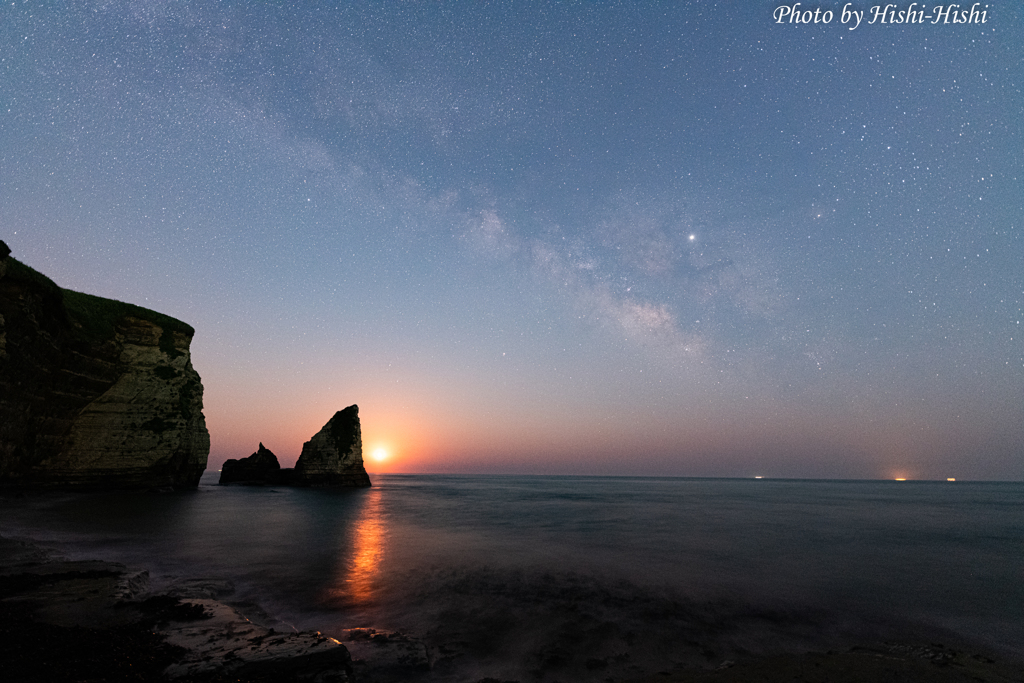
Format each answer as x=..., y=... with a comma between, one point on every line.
x=950, y=478
x=901, y=478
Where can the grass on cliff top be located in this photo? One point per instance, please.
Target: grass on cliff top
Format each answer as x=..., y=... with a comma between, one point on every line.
x=18, y=271
x=96, y=316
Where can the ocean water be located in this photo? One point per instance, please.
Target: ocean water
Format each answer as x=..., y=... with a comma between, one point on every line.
x=578, y=578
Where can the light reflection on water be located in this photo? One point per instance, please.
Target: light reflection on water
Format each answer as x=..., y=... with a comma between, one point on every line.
x=356, y=575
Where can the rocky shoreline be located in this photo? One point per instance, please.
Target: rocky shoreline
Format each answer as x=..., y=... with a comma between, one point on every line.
x=63, y=620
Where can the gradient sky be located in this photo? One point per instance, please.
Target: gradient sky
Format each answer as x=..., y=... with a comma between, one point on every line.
x=582, y=238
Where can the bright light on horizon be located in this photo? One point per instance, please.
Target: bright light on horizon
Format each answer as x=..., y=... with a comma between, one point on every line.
x=379, y=454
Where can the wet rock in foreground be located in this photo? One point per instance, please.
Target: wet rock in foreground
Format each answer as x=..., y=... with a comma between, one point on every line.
x=94, y=620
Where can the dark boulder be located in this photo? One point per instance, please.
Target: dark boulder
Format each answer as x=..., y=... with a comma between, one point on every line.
x=261, y=467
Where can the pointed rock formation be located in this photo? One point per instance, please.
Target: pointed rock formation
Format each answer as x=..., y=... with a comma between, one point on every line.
x=334, y=456
x=259, y=468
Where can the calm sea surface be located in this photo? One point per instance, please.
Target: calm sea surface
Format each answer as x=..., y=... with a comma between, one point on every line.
x=512, y=565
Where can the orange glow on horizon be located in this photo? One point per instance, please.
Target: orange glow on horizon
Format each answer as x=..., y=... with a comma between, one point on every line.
x=381, y=457
x=486, y=435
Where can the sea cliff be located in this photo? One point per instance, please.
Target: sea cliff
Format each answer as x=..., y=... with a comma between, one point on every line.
x=94, y=393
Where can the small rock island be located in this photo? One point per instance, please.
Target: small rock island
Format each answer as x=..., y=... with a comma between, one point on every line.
x=333, y=458
x=94, y=393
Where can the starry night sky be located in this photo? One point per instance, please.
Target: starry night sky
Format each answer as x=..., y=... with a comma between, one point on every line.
x=582, y=238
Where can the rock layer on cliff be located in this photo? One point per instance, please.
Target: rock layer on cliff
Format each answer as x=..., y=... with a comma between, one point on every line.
x=94, y=393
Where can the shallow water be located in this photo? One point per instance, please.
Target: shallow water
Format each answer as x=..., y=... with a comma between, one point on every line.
x=540, y=574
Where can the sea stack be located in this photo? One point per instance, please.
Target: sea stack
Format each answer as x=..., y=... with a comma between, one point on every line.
x=258, y=469
x=94, y=393
x=334, y=456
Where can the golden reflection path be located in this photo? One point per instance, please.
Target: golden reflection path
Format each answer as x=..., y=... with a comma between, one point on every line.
x=358, y=570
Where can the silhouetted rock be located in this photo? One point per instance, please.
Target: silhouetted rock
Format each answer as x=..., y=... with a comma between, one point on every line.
x=261, y=467
x=5, y=251
x=334, y=456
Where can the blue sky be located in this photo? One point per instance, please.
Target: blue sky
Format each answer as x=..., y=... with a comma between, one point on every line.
x=629, y=238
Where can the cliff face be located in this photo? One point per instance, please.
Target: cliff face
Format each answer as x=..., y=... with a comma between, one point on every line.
x=94, y=393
